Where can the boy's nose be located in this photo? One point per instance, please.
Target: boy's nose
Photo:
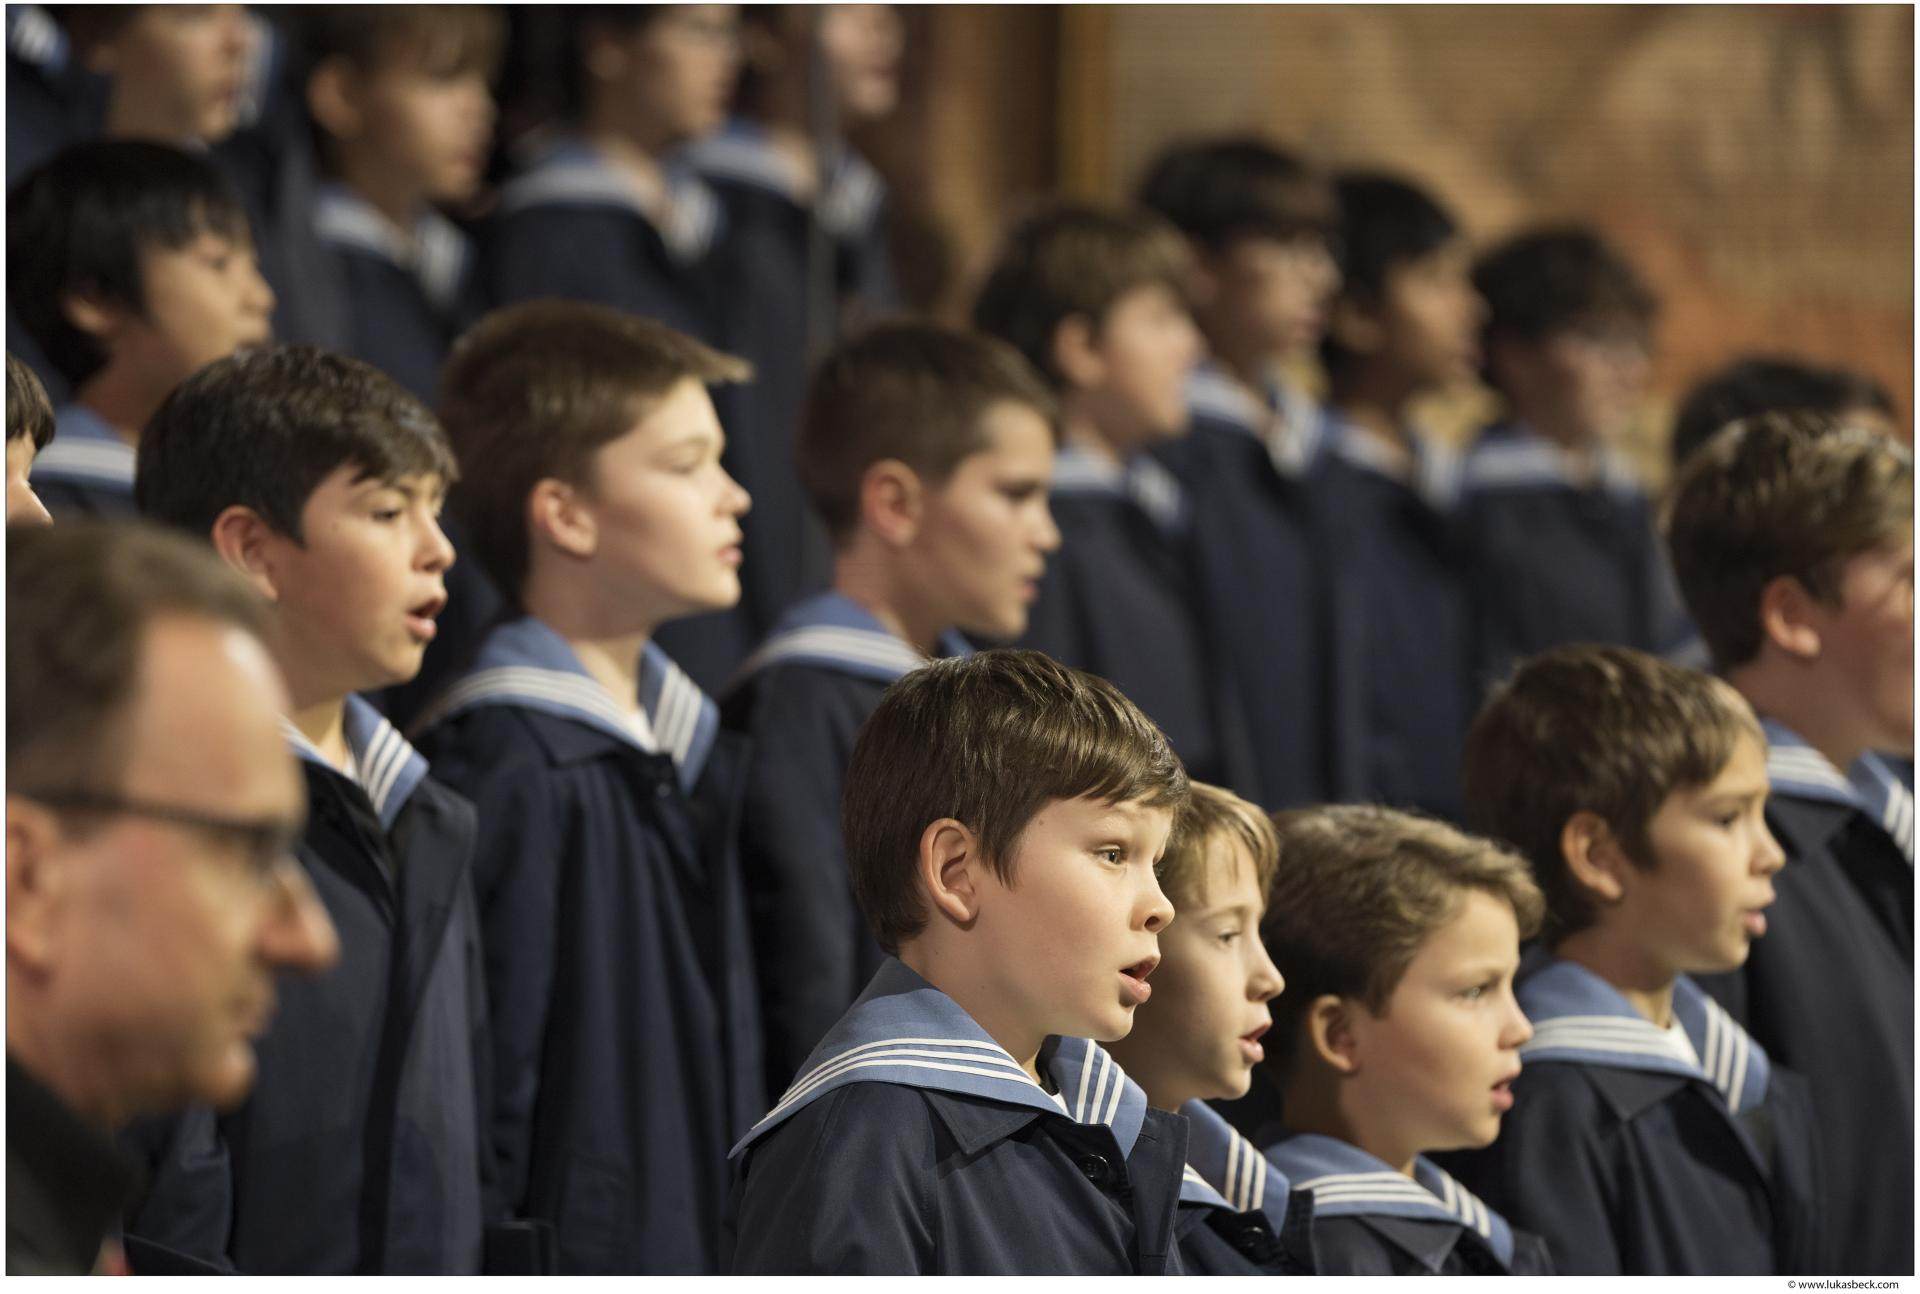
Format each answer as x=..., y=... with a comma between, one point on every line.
x=1768, y=856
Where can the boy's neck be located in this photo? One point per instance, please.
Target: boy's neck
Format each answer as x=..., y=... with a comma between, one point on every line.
x=121, y=401
x=978, y=995
x=1796, y=694
x=400, y=198
x=629, y=145
x=864, y=572
x=323, y=723
x=1248, y=365
x=1647, y=987
x=791, y=142
x=607, y=638
x=1582, y=448
x=1078, y=431
x=1318, y=1101
x=1381, y=423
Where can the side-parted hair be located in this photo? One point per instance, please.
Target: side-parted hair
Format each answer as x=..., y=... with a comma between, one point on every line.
x=534, y=390
x=1781, y=494
x=29, y=412
x=1603, y=730
x=1385, y=222
x=1215, y=817
x=1359, y=889
x=906, y=390
x=989, y=740
x=80, y=222
x=1216, y=191
x=79, y=599
x=1075, y=260
x=262, y=428
x=1759, y=384
x=1545, y=282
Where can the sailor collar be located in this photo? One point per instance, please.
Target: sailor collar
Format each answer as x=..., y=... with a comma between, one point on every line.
x=1142, y=480
x=384, y=765
x=1870, y=787
x=85, y=451
x=1288, y=423
x=847, y=201
x=35, y=38
x=1514, y=456
x=832, y=631
x=904, y=1031
x=1346, y=1181
x=525, y=664
x=571, y=172
x=1435, y=475
x=434, y=252
x=1227, y=1171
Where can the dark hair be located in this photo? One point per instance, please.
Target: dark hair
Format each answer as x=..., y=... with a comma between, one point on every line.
x=1074, y=260
x=1603, y=730
x=582, y=22
x=990, y=740
x=534, y=390
x=1385, y=222
x=1780, y=494
x=442, y=39
x=1546, y=282
x=263, y=428
x=907, y=390
x=79, y=599
x=1769, y=384
x=80, y=222
x=29, y=412
x=1216, y=191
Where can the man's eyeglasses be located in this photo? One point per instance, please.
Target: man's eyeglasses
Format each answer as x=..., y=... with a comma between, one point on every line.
x=266, y=843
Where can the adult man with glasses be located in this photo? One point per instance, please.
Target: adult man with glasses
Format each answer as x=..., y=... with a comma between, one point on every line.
x=151, y=897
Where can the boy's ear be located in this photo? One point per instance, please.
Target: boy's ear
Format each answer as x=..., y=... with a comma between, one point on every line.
x=1075, y=356
x=1594, y=856
x=1329, y=1025
x=332, y=100
x=949, y=869
x=1787, y=620
x=1354, y=326
x=244, y=541
x=892, y=499
x=557, y=513
x=34, y=877
x=93, y=314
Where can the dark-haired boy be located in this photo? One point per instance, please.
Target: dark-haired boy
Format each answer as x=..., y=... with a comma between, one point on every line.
x=360, y=1150
x=1095, y=299
x=1398, y=1035
x=1649, y=1134
x=1792, y=539
x=1259, y=222
x=131, y=267
x=927, y=451
x=1756, y=384
x=1003, y=817
x=1560, y=533
x=1405, y=324
x=29, y=429
x=625, y=1036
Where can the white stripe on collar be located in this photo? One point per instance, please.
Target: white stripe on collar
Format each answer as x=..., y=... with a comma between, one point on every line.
x=848, y=200
x=1289, y=426
x=1435, y=472
x=1143, y=480
x=687, y=218
x=35, y=38
x=1872, y=790
x=381, y=762
x=1515, y=457
x=84, y=450
x=1347, y=1181
x=832, y=631
x=435, y=253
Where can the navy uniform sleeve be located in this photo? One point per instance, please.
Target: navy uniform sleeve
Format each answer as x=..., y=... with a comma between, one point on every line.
x=840, y=1189
x=188, y=1208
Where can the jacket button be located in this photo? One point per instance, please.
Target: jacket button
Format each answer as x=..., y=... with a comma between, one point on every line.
x=1096, y=1169
x=662, y=790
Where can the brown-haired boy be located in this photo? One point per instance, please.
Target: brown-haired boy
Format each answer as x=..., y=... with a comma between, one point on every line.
x=926, y=450
x=1095, y=298
x=1198, y=1038
x=1004, y=815
x=625, y=1040
x=1398, y=1035
x=1792, y=539
x=1649, y=1134
x=29, y=428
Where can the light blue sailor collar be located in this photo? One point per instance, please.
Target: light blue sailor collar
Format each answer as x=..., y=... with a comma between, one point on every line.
x=1227, y=1171
x=1346, y=1181
x=1870, y=787
x=384, y=765
x=524, y=663
x=33, y=37
x=1577, y=1016
x=1288, y=422
x=1154, y=489
x=849, y=197
x=435, y=252
x=905, y=1031
x=571, y=172
x=832, y=631
x=1516, y=457
x=1436, y=472
x=85, y=451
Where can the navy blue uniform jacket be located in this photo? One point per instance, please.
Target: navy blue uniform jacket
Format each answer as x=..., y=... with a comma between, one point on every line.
x=1116, y=601
x=1238, y=1216
x=86, y=471
x=914, y=1145
x=800, y=699
x=1369, y=1220
x=360, y=1148
x=1829, y=992
x=1557, y=559
x=626, y=1055
x=1630, y=1159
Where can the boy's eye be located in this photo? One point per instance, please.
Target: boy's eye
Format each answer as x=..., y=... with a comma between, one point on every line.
x=1112, y=853
x=1229, y=935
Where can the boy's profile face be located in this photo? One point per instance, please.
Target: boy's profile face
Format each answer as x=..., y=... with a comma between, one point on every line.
x=1272, y=294
x=1429, y=320
x=204, y=300
x=1700, y=903
x=666, y=515
x=1073, y=938
x=23, y=505
x=671, y=78
x=1866, y=643
x=182, y=69
x=356, y=601
x=1199, y=1035
x=863, y=44
x=985, y=532
x=427, y=127
x=1435, y=1068
x=1582, y=386
x=1146, y=346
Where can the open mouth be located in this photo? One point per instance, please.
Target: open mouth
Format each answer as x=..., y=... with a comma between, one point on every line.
x=420, y=619
x=1503, y=1092
x=1250, y=1048
x=1134, y=979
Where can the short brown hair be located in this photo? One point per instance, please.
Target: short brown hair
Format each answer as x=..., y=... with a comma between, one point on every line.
x=1604, y=730
x=990, y=740
x=1794, y=494
x=29, y=412
x=1075, y=260
x=79, y=599
x=906, y=390
x=1215, y=815
x=443, y=39
x=534, y=390
x=1359, y=889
